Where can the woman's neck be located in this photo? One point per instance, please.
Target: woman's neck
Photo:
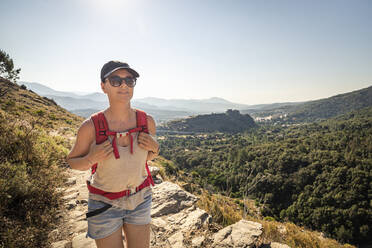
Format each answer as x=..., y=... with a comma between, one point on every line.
x=119, y=112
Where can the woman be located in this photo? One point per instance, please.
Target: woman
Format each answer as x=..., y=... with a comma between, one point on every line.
x=120, y=194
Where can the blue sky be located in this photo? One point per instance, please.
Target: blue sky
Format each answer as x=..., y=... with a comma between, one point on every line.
x=248, y=52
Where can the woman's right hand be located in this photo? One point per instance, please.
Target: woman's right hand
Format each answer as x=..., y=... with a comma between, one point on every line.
x=101, y=152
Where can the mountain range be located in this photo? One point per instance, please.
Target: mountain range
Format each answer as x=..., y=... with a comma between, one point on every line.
x=164, y=110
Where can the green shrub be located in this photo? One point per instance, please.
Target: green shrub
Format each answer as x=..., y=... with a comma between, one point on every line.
x=29, y=174
x=269, y=218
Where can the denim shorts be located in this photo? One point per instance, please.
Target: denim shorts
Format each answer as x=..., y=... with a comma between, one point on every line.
x=113, y=218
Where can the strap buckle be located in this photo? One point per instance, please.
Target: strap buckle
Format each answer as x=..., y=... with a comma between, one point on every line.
x=102, y=132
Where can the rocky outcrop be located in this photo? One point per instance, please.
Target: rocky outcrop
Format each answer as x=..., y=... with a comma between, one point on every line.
x=241, y=234
x=176, y=220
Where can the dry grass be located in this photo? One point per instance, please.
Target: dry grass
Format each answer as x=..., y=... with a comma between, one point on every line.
x=295, y=236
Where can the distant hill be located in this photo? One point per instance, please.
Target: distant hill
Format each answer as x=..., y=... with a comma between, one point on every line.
x=45, y=90
x=319, y=109
x=197, y=106
x=20, y=103
x=231, y=121
x=161, y=109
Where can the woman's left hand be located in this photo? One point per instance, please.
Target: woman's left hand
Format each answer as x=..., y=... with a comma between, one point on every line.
x=145, y=141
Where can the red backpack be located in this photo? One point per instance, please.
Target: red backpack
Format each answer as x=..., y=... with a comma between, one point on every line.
x=102, y=133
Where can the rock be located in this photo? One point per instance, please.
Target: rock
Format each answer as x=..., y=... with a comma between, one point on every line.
x=195, y=219
x=278, y=245
x=80, y=226
x=176, y=240
x=60, y=244
x=157, y=181
x=53, y=235
x=71, y=190
x=70, y=196
x=77, y=214
x=60, y=189
x=241, y=234
x=159, y=224
x=71, y=204
x=154, y=171
x=70, y=181
x=80, y=241
x=170, y=198
x=197, y=241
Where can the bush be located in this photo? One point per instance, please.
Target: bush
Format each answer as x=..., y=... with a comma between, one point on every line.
x=29, y=174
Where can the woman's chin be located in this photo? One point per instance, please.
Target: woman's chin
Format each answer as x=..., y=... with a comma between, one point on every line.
x=124, y=98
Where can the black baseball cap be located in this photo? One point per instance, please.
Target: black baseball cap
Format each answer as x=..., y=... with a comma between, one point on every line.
x=112, y=66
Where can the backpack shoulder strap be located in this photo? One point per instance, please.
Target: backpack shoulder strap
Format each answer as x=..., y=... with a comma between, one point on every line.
x=142, y=123
x=142, y=120
x=101, y=127
x=100, y=124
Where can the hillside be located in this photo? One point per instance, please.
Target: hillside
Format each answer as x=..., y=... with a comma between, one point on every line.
x=231, y=121
x=319, y=109
x=317, y=175
x=33, y=146
x=24, y=104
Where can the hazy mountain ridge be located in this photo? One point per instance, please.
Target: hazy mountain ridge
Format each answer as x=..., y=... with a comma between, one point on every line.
x=318, y=109
x=161, y=109
x=164, y=110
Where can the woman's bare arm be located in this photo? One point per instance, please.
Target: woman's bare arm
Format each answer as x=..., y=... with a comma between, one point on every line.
x=85, y=152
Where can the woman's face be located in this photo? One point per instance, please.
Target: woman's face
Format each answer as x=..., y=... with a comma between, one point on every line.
x=122, y=93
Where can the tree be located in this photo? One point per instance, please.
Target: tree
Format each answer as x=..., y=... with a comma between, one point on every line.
x=7, y=67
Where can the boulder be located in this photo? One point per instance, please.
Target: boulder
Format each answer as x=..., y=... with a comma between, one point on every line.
x=241, y=234
x=170, y=198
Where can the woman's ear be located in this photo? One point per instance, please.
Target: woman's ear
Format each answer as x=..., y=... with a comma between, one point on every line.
x=103, y=87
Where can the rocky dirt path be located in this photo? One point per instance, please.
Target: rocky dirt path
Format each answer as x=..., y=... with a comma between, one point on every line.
x=176, y=221
x=72, y=232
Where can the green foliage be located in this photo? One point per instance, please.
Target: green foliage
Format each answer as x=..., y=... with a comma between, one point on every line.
x=40, y=112
x=269, y=218
x=7, y=69
x=317, y=175
x=29, y=174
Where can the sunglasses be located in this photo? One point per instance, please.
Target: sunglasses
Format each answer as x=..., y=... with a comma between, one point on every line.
x=117, y=81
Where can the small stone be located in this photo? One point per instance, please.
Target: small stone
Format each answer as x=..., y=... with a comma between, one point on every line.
x=53, y=235
x=83, y=201
x=60, y=244
x=82, y=241
x=70, y=181
x=176, y=240
x=157, y=181
x=154, y=170
x=76, y=214
x=278, y=245
x=70, y=196
x=80, y=226
x=197, y=241
x=70, y=205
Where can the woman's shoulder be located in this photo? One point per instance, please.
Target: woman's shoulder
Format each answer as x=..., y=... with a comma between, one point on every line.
x=87, y=126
